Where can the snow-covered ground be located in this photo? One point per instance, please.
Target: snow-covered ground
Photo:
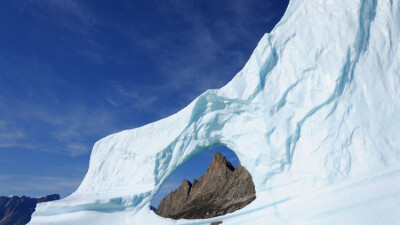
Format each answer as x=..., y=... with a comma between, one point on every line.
x=314, y=116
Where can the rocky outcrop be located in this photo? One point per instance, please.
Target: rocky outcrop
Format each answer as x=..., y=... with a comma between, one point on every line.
x=221, y=190
x=216, y=223
x=16, y=210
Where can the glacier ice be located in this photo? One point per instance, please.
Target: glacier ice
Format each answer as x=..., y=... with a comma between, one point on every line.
x=314, y=116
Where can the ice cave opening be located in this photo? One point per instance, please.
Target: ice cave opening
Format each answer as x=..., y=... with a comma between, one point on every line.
x=211, y=184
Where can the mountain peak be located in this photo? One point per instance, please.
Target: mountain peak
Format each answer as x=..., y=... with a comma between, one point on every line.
x=18, y=210
x=220, y=161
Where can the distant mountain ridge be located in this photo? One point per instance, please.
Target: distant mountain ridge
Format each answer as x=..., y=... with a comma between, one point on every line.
x=16, y=210
x=221, y=190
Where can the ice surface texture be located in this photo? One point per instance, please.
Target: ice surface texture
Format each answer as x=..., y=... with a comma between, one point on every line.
x=314, y=116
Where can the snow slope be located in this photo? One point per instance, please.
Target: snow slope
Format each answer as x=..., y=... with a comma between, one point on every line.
x=314, y=116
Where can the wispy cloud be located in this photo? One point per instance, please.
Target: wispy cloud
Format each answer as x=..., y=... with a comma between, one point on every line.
x=203, y=54
x=137, y=97
x=72, y=18
x=35, y=114
x=66, y=132
x=58, y=9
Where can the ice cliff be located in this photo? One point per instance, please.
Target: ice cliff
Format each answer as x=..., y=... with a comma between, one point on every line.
x=314, y=116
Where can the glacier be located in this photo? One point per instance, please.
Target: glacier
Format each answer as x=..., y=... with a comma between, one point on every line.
x=314, y=116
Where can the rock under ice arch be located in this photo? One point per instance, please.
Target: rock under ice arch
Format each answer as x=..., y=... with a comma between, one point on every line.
x=314, y=116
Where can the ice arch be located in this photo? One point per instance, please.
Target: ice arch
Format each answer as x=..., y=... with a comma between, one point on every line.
x=314, y=110
x=127, y=169
x=210, y=121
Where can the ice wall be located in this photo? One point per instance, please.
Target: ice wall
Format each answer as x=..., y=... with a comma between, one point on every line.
x=314, y=116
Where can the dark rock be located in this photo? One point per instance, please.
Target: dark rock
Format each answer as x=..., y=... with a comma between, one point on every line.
x=216, y=223
x=48, y=198
x=221, y=190
x=18, y=210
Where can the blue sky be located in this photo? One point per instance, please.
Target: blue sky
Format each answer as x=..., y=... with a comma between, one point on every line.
x=72, y=72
